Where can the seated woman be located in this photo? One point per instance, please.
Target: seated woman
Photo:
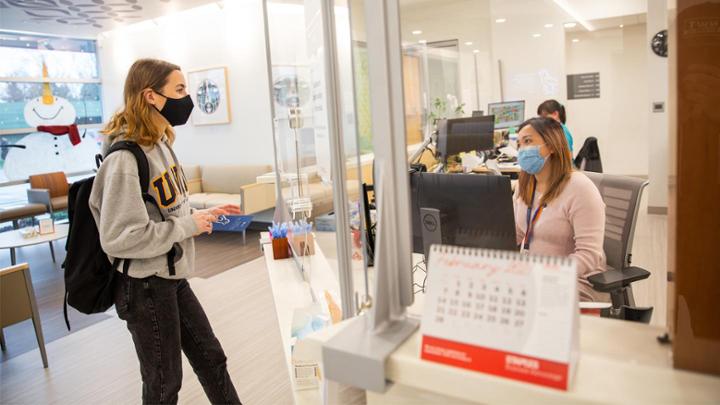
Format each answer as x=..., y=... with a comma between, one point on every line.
x=553, y=109
x=558, y=211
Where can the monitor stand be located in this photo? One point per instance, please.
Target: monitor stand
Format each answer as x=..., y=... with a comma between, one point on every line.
x=431, y=229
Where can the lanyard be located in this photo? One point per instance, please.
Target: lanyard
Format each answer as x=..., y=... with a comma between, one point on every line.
x=531, y=220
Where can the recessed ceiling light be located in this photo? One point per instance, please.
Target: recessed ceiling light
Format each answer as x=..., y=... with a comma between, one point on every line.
x=622, y=25
x=572, y=12
x=422, y=41
x=417, y=32
x=468, y=43
x=536, y=35
x=548, y=25
x=575, y=40
x=476, y=51
x=500, y=20
x=570, y=25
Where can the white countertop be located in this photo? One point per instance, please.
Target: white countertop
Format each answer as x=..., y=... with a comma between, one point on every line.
x=620, y=362
x=290, y=291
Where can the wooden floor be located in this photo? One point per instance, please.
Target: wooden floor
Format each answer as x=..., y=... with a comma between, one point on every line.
x=98, y=365
x=215, y=254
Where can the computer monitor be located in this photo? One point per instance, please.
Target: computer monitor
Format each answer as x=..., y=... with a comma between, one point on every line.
x=464, y=135
x=477, y=113
x=507, y=114
x=462, y=209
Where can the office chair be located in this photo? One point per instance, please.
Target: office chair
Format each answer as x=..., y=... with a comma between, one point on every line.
x=621, y=195
x=588, y=157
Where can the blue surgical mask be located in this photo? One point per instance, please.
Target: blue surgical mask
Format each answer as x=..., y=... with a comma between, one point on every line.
x=530, y=159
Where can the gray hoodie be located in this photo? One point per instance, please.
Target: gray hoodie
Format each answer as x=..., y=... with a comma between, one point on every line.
x=130, y=228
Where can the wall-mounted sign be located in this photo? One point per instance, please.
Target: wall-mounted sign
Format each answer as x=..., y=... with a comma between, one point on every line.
x=583, y=85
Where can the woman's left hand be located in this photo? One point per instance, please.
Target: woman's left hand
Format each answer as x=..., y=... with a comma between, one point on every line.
x=227, y=209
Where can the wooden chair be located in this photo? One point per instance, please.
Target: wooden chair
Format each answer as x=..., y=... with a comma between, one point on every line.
x=50, y=189
x=17, y=303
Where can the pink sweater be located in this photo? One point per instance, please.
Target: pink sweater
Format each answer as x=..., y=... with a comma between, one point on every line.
x=571, y=225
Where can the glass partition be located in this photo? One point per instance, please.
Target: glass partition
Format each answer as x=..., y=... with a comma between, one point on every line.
x=321, y=158
x=460, y=56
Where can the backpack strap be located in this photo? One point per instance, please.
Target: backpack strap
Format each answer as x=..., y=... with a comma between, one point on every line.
x=144, y=175
x=140, y=157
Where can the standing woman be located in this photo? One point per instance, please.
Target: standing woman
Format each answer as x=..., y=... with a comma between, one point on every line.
x=558, y=211
x=556, y=111
x=161, y=311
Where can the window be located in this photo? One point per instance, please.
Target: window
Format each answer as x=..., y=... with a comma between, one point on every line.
x=48, y=81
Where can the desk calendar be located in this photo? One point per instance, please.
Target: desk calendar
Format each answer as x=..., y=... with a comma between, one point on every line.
x=502, y=313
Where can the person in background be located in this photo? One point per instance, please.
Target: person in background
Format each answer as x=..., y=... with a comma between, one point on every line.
x=556, y=111
x=154, y=298
x=558, y=211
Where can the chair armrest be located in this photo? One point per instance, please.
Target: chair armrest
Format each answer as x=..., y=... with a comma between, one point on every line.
x=257, y=197
x=612, y=280
x=39, y=196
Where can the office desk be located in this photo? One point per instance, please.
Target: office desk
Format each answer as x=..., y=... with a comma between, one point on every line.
x=620, y=362
x=510, y=170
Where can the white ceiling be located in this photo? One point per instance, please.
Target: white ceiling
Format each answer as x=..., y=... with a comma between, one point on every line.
x=603, y=9
x=87, y=18
x=83, y=18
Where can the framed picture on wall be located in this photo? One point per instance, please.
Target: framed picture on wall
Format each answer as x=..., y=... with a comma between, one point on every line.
x=208, y=90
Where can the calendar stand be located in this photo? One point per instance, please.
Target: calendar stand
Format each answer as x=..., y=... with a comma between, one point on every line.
x=502, y=313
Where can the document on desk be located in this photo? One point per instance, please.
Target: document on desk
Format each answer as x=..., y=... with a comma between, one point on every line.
x=502, y=313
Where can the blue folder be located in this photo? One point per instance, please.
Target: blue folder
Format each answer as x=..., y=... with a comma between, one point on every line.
x=232, y=223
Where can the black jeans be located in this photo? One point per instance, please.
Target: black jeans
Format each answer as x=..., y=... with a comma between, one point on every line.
x=164, y=316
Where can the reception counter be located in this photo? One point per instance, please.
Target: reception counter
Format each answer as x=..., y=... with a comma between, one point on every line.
x=620, y=362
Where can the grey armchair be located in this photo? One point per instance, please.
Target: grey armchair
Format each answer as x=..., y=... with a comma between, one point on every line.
x=621, y=195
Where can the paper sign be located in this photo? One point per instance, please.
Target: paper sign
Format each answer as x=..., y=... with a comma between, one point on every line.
x=502, y=313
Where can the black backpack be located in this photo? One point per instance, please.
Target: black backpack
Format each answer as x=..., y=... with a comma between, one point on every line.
x=89, y=275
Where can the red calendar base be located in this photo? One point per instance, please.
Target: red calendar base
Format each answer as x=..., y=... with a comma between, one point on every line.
x=504, y=364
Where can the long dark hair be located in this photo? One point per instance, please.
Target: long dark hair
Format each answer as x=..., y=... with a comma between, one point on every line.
x=551, y=106
x=560, y=160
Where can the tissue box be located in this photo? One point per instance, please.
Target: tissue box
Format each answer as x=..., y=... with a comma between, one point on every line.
x=303, y=245
x=46, y=225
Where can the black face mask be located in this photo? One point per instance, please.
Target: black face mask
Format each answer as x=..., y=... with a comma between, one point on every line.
x=176, y=110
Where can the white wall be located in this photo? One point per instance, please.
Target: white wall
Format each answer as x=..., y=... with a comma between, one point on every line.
x=619, y=117
x=657, y=79
x=466, y=21
x=533, y=69
x=198, y=38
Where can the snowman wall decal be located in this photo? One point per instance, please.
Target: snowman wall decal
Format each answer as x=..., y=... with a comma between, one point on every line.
x=57, y=146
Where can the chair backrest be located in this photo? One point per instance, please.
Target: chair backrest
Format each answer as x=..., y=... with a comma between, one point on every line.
x=621, y=195
x=15, y=295
x=56, y=182
x=588, y=157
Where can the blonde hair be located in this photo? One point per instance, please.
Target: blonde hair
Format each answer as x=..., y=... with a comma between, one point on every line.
x=137, y=119
x=560, y=160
